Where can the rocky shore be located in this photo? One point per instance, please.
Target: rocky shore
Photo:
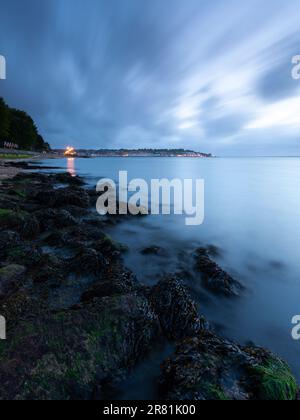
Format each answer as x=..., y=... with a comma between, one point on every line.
x=12, y=164
x=78, y=320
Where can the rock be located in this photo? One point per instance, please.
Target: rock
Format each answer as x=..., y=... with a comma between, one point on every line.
x=67, y=356
x=50, y=271
x=176, y=311
x=46, y=198
x=8, y=239
x=154, y=250
x=50, y=219
x=12, y=220
x=20, y=221
x=87, y=261
x=214, y=251
x=214, y=278
x=109, y=247
x=66, y=178
x=10, y=277
x=117, y=281
x=207, y=367
x=72, y=196
x=26, y=254
x=31, y=228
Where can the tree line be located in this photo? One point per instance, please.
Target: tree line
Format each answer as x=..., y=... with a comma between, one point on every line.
x=19, y=128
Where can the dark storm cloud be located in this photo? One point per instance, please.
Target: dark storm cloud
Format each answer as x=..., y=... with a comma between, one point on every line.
x=134, y=73
x=276, y=82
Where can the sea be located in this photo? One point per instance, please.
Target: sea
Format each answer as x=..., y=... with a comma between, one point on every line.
x=251, y=220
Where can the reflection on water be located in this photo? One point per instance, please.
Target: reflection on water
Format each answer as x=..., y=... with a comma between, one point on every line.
x=71, y=166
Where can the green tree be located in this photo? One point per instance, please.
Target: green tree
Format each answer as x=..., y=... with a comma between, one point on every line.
x=4, y=121
x=18, y=127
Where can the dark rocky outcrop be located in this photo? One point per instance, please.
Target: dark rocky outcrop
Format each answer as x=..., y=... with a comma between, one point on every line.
x=154, y=250
x=177, y=312
x=214, y=278
x=207, y=367
x=10, y=278
x=74, y=354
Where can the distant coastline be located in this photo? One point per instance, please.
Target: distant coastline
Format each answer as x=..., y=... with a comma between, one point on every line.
x=136, y=153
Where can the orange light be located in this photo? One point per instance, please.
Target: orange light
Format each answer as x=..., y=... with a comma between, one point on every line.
x=70, y=151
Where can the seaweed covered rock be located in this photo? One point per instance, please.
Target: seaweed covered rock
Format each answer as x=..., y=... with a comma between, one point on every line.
x=72, y=196
x=116, y=280
x=214, y=278
x=30, y=228
x=50, y=219
x=87, y=261
x=66, y=178
x=26, y=254
x=12, y=219
x=207, y=367
x=108, y=246
x=52, y=198
x=177, y=312
x=10, y=278
x=74, y=354
x=154, y=250
x=8, y=238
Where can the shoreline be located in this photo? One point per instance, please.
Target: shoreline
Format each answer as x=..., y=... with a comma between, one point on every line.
x=81, y=315
x=8, y=172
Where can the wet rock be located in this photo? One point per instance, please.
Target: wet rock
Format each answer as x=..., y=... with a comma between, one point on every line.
x=177, y=312
x=207, y=367
x=154, y=250
x=10, y=277
x=87, y=261
x=115, y=281
x=8, y=239
x=69, y=196
x=31, y=228
x=50, y=271
x=46, y=198
x=75, y=211
x=66, y=178
x=72, y=196
x=8, y=202
x=214, y=278
x=214, y=251
x=107, y=246
x=12, y=220
x=25, y=254
x=93, y=194
x=68, y=355
x=50, y=219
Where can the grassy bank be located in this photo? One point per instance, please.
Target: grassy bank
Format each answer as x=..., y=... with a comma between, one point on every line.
x=13, y=156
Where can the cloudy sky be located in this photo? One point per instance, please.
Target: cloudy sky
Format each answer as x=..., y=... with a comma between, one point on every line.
x=212, y=75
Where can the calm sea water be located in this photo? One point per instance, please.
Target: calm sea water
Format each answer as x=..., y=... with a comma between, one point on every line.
x=252, y=213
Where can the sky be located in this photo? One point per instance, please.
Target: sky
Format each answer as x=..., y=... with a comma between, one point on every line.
x=209, y=75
